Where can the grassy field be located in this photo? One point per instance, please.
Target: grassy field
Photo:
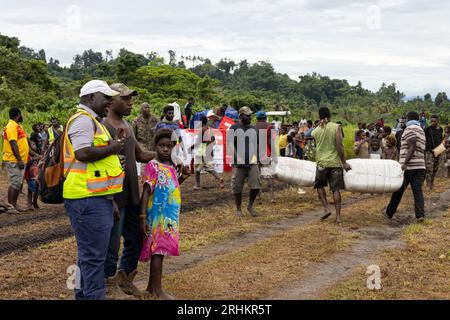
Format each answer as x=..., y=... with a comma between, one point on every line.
x=255, y=269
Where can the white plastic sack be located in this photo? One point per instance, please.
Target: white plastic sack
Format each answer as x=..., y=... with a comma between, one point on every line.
x=177, y=112
x=296, y=172
x=373, y=176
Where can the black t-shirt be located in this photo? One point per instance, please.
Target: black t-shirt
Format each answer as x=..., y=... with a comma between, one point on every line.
x=188, y=110
x=130, y=194
x=434, y=137
x=246, y=153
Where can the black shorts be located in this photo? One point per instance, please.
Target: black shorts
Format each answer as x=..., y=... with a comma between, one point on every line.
x=334, y=177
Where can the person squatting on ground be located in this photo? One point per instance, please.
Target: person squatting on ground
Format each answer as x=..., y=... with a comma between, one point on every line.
x=15, y=156
x=242, y=141
x=434, y=137
x=203, y=157
x=412, y=159
x=331, y=162
x=160, y=209
x=128, y=223
x=94, y=175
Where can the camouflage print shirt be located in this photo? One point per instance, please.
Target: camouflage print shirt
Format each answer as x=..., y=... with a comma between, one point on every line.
x=144, y=131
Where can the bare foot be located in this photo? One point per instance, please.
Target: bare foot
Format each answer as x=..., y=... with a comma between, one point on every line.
x=165, y=296
x=252, y=212
x=273, y=201
x=12, y=211
x=239, y=213
x=221, y=184
x=325, y=216
x=338, y=220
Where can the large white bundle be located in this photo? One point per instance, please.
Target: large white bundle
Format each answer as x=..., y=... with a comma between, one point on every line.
x=373, y=176
x=295, y=172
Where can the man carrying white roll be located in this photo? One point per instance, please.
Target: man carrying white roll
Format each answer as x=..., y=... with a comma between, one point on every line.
x=331, y=162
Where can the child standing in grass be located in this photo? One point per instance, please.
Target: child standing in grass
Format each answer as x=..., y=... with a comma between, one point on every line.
x=160, y=209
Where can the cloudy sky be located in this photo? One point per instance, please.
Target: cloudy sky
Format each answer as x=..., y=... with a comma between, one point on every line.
x=402, y=41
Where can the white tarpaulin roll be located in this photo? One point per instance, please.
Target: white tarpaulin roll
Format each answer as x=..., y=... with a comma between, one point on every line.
x=373, y=176
x=295, y=172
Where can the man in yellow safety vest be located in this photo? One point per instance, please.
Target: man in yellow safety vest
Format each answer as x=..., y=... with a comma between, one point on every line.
x=93, y=175
x=54, y=131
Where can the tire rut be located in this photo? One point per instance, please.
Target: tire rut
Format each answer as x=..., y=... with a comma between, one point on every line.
x=63, y=232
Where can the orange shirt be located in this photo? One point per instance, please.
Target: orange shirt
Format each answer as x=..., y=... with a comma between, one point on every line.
x=14, y=132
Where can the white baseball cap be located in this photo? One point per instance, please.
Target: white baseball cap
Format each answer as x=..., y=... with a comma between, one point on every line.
x=210, y=114
x=94, y=86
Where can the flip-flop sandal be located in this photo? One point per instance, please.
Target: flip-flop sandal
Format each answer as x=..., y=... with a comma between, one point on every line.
x=325, y=217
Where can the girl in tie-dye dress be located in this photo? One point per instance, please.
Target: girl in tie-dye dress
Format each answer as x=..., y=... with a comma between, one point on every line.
x=160, y=209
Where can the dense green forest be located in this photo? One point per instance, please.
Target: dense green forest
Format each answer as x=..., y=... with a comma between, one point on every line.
x=43, y=88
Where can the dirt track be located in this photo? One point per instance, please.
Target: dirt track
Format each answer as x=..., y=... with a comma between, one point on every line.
x=364, y=253
x=23, y=239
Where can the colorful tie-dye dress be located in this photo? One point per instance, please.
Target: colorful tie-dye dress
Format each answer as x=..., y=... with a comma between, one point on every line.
x=162, y=211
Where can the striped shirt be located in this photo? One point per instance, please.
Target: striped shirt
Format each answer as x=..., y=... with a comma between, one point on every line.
x=417, y=161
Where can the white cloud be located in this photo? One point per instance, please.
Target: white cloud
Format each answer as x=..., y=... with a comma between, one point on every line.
x=406, y=41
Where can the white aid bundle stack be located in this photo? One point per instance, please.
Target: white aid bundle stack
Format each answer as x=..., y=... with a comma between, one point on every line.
x=373, y=176
x=295, y=172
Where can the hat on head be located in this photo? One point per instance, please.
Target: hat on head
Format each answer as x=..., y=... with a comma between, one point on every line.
x=94, y=86
x=245, y=110
x=210, y=114
x=261, y=115
x=123, y=90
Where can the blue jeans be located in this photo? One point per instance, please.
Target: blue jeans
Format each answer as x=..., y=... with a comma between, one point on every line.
x=92, y=221
x=129, y=228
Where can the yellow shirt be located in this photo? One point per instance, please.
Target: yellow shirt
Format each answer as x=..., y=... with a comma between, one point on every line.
x=14, y=132
x=283, y=141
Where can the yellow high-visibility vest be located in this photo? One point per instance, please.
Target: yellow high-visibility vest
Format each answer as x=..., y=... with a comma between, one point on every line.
x=92, y=179
x=51, y=134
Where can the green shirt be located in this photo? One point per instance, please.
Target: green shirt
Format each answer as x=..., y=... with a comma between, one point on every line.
x=326, y=152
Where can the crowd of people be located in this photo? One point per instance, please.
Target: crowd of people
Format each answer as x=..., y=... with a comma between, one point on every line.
x=102, y=193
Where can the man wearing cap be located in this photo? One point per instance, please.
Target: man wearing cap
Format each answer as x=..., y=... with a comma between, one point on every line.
x=212, y=119
x=94, y=175
x=242, y=140
x=128, y=200
x=266, y=130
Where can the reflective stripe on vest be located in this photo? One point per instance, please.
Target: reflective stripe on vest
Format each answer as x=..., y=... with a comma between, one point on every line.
x=99, y=178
